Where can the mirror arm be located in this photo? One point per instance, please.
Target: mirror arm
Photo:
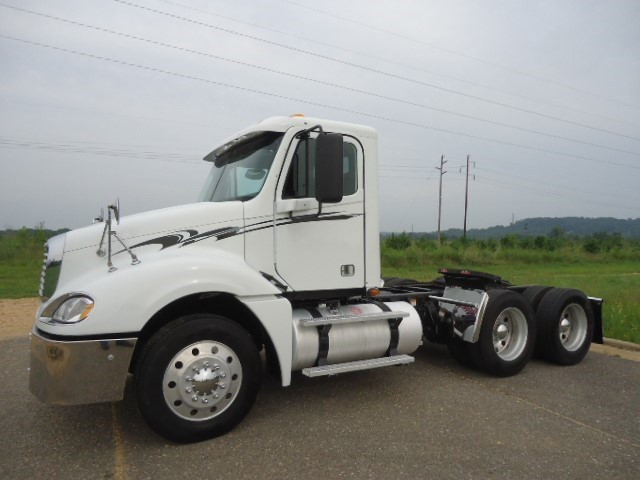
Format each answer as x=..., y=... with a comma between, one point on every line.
x=305, y=133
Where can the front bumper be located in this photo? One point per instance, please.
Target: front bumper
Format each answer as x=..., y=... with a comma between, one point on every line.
x=79, y=372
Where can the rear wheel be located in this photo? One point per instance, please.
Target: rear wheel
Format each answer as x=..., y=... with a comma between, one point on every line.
x=534, y=295
x=507, y=335
x=565, y=324
x=197, y=378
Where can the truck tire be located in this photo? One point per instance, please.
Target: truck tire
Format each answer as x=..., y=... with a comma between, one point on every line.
x=534, y=295
x=507, y=335
x=459, y=350
x=565, y=325
x=197, y=378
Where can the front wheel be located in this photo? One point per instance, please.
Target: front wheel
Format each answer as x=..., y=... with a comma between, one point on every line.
x=197, y=378
x=507, y=334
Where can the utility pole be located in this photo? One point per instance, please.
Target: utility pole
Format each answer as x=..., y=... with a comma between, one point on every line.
x=442, y=172
x=466, y=195
x=466, y=199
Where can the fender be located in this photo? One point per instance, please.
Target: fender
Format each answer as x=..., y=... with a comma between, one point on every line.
x=128, y=297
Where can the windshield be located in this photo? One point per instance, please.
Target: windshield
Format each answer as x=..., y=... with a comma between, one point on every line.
x=240, y=167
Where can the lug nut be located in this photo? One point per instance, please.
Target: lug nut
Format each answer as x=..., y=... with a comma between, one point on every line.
x=223, y=375
x=222, y=385
x=188, y=389
x=194, y=398
x=216, y=396
x=204, y=400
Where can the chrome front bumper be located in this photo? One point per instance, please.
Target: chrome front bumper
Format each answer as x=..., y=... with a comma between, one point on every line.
x=79, y=372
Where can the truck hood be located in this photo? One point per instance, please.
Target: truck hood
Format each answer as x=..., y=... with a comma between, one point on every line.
x=174, y=224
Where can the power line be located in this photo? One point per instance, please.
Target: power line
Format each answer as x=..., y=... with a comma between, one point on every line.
x=309, y=102
x=552, y=193
x=373, y=70
x=104, y=112
x=461, y=54
x=93, y=151
x=321, y=82
x=560, y=188
x=420, y=169
x=66, y=142
x=395, y=62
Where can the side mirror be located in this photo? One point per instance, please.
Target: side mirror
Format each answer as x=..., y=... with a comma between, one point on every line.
x=329, y=165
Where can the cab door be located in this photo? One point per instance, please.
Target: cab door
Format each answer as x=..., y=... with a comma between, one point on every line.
x=319, y=249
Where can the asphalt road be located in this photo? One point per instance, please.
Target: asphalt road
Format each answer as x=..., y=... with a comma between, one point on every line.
x=431, y=419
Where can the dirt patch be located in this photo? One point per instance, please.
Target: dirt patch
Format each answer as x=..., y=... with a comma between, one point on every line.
x=615, y=352
x=17, y=316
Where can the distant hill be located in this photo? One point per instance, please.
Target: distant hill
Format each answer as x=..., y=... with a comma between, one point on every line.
x=572, y=226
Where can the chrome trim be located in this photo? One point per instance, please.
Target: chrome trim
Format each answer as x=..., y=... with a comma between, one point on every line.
x=357, y=365
x=476, y=299
x=54, y=251
x=51, y=308
x=454, y=301
x=79, y=372
x=340, y=319
x=480, y=317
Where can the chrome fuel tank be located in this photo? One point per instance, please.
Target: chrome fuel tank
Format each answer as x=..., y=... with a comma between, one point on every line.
x=357, y=340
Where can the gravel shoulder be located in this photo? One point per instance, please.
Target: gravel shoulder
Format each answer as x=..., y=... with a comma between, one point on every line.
x=17, y=316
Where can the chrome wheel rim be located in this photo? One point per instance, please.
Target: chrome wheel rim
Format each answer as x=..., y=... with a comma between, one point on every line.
x=202, y=380
x=572, y=328
x=510, y=333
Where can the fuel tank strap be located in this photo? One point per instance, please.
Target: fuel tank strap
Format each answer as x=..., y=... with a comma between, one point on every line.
x=323, y=338
x=394, y=324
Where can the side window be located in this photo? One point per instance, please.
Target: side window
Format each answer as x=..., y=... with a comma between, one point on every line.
x=300, y=181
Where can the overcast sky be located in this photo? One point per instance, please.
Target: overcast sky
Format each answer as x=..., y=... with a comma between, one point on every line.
x=544, y=96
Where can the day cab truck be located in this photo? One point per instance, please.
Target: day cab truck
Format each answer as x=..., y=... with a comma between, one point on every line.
x=277, y=263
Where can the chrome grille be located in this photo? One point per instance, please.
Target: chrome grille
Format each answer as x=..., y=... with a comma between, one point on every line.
x=43, y=274
x=53, y=251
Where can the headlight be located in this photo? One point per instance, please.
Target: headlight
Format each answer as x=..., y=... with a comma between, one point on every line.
x=73, y=310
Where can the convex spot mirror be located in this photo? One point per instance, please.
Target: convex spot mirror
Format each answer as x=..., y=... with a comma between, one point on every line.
x=329, y=165
x=255, y=174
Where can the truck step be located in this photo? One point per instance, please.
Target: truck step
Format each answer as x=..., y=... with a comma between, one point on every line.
x=338, y=319
x=357, y=365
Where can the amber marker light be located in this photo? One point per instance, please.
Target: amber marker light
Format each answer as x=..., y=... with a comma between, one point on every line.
x=298, y=115
x=87, y=311
x=374, y=292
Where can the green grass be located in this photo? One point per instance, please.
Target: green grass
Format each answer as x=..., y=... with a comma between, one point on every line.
x=21, y=255
x=19, y=281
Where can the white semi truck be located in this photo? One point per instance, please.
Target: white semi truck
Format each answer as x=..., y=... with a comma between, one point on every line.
x=278, y=262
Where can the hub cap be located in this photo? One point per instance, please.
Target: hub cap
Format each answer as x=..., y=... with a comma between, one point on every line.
x=510, y=334
x=202, y=380
x=572, y=329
